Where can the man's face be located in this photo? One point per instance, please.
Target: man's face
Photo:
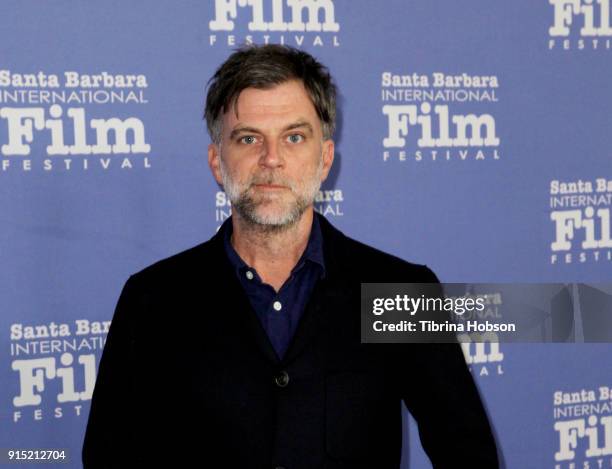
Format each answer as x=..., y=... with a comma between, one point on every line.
x=272, y=157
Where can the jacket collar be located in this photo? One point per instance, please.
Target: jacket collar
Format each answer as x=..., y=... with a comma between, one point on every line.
x=313, y=252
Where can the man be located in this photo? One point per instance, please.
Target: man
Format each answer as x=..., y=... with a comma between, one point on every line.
x=244, y=351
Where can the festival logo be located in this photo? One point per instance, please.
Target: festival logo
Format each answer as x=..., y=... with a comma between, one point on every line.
x=328, y=202
x=580, y=218
x=295, y=23
x=438, y=117
x=583, y=424
x=482, y=350
x=580, y=25
x=55, y=367
x=53, y=122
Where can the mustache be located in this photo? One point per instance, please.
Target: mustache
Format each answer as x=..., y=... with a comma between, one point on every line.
x=271, y=179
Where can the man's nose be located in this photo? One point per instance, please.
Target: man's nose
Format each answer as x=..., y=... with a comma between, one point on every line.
x=271, y=156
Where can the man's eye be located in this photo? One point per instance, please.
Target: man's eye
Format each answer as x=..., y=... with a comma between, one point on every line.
x=248, y=139
x=295, y=138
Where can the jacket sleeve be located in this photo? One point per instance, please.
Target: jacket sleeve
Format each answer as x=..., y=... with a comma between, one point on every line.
x=107, y=442
x=441, y=395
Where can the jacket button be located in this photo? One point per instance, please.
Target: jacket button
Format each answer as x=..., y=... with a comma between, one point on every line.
x=282, y=379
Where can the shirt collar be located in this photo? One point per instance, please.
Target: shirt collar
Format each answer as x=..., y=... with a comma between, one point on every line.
x=313, y=252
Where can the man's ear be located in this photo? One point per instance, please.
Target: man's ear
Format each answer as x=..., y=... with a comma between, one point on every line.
x=213, y=162
x=328, y=157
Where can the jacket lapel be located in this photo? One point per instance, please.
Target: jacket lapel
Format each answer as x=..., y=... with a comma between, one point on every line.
x=237, y=301
x=330, y=293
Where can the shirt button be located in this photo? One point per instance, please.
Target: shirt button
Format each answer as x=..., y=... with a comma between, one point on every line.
x=282, y=379
x=277, y=305
x=249, y=275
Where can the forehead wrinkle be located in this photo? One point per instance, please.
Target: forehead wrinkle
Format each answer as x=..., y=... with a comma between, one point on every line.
x=259, y=107
x=288, y=102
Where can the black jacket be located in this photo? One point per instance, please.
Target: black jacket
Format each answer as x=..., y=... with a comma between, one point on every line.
x=188, y=377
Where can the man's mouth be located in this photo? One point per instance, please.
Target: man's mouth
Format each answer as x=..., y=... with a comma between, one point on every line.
x=269, y=186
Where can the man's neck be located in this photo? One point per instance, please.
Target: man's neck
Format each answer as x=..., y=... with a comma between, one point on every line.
x=272, y=253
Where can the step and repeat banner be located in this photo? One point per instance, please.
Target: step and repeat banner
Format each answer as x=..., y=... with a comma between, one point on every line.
x=474, y=137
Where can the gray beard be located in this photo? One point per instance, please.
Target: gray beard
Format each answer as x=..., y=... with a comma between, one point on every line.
x=247, y=208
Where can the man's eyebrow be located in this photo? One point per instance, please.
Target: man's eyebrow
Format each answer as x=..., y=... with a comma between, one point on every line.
x=241, y=129
x=296, y=125
x=299, y=124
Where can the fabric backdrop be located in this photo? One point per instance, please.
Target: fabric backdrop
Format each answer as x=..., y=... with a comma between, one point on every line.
x=474, y=137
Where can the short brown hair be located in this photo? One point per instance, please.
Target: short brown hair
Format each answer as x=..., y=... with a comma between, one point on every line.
x=263, y=67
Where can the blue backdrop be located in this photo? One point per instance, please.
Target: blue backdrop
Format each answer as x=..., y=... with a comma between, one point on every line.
x=474, y=137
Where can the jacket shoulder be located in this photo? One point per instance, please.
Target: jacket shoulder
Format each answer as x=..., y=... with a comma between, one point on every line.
x=369, y=263
x=385, y=266
x=178, y=267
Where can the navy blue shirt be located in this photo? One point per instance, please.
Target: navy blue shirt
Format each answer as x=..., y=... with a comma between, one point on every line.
x=280, y=312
